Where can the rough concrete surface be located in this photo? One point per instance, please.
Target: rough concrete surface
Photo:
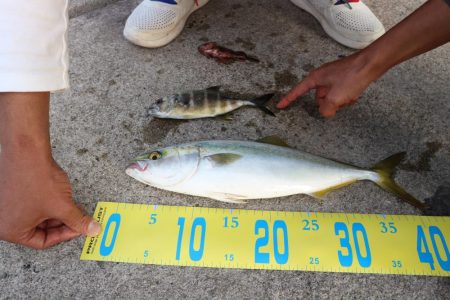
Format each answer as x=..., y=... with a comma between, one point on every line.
x=79, y=7
x=99, y=124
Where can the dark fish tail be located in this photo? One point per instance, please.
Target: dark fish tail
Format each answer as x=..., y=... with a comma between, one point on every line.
x=261, y=101
x=385, y=170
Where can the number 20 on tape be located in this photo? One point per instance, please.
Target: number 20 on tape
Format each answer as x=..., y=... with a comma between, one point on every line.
x=252, y=239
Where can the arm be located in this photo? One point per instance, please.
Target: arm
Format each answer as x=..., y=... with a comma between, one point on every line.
x=341, y=82
x=36, y=206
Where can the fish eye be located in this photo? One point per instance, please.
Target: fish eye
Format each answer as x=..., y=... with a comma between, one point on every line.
x=159, y=101
x=155, y=155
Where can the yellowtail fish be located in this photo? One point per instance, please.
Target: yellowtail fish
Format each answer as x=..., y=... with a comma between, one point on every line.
x=235, y=171
x=202, y=104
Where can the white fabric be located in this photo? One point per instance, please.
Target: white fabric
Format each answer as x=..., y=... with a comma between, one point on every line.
x=33, y=45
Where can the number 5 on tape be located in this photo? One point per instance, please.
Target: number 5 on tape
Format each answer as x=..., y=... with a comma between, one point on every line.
x=224, y=238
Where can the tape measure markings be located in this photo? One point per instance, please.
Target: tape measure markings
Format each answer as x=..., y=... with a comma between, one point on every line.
x=235, y=238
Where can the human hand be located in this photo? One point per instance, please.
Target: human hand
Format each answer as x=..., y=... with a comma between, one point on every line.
x=36, y=206
x=337, y=84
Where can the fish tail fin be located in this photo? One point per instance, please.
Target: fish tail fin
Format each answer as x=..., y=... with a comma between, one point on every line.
x=261, y=101
x=385, y=170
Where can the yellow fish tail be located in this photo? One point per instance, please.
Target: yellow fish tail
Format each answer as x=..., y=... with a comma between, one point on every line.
x=385, y=170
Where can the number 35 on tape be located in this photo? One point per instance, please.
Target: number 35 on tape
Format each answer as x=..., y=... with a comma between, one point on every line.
x=253, y=239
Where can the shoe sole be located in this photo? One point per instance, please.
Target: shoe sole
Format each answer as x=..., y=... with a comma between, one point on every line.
x=338, y=37
x=139, y=39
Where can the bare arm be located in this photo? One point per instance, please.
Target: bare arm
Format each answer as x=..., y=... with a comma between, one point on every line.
x=341, y=82
x=36, y=206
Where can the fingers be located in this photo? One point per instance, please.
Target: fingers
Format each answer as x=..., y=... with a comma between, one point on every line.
x=328, y=110
x=50, y=224
x=302, y=88
x=70, y=223
x=46, y=238
x=53, y=223
x=74, y=218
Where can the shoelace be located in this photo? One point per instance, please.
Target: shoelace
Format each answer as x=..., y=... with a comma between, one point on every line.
x=346, y=2
x=174, y=2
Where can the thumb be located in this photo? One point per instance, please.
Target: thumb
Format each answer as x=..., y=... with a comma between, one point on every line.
x=79, y=222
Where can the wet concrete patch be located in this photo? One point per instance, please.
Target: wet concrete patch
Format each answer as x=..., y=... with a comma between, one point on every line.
x=229, y=15
x=309, y=104
x=82, y=151
x=157, y=129
x=439, y=202
x=246, y=44
x=285, y=79
x=198, y=24
x=252, y=124
x=423, y=163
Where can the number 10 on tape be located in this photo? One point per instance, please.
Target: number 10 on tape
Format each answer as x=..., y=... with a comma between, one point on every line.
x=254, y=239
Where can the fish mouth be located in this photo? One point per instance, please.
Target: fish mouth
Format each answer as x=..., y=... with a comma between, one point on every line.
x=138, y=165
x=152, y=112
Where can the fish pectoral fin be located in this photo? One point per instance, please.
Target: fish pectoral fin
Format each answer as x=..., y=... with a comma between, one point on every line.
x=215, y=88
x=226, y=197
x=320, y=194
x=273, y=140
x=223, y=159
x=228, y=117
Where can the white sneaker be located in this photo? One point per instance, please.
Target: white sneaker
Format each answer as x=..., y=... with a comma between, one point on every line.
x=155, y=23
x=349, y=22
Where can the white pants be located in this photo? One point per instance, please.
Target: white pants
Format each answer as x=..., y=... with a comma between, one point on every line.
x=33, y=45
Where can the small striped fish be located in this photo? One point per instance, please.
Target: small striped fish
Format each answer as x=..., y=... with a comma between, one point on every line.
x=202, y=104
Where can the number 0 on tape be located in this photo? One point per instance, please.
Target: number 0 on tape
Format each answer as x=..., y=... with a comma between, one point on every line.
x=276, y=240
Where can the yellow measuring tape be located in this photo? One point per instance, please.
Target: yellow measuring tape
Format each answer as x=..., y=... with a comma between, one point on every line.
x=276, y=240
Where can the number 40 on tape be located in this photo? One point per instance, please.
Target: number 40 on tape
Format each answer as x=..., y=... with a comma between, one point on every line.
x=254, y=239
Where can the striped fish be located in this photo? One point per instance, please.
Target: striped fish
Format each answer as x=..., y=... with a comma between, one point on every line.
x=202, y=104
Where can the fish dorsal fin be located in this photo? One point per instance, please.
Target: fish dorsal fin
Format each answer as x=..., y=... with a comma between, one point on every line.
x=215, y=88
x=320, y=194
x=223, y=159
x=273, y=140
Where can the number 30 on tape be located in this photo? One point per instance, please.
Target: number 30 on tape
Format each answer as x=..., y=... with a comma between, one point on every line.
x=251, y=239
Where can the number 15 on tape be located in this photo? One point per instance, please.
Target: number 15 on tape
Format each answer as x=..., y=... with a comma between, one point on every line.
x=224, y=238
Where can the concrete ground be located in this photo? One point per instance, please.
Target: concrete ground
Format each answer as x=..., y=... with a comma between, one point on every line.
x=99, y=125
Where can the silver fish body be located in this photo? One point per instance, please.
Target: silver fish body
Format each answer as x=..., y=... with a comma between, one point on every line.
x=205, y=103
x=234, y=171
